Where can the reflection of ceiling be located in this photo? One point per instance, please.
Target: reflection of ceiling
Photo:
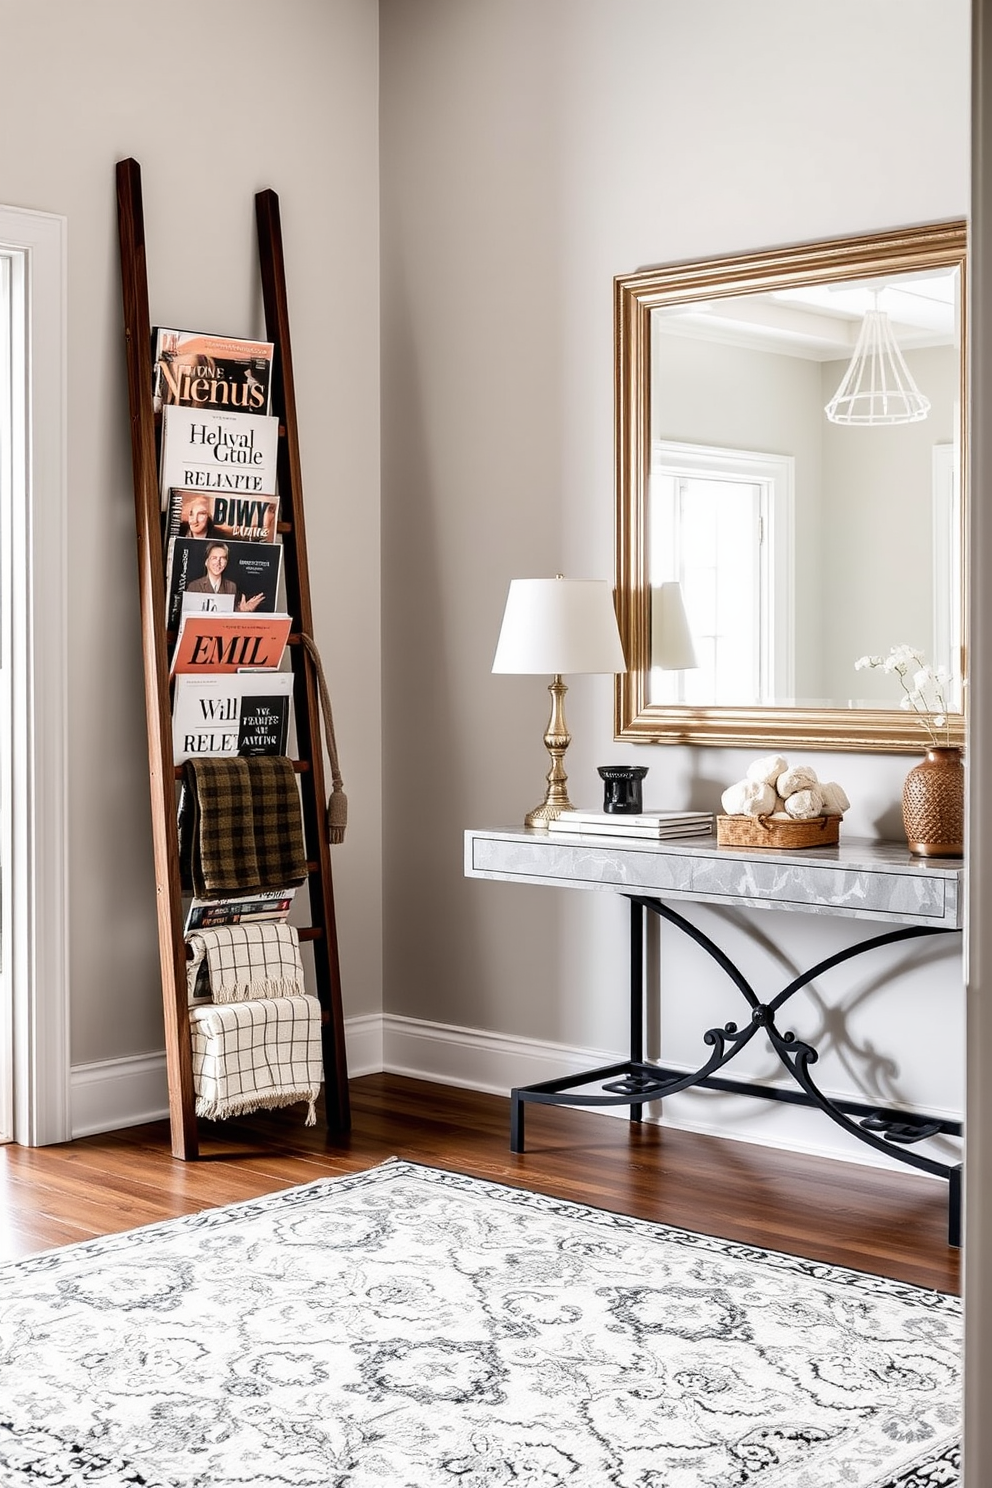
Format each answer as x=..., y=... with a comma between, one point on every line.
x=821, y=321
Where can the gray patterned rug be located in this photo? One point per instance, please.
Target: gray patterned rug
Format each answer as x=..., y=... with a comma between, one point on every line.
x=409, y=1328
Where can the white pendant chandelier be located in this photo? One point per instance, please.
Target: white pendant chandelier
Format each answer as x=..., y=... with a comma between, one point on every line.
x=877, y=387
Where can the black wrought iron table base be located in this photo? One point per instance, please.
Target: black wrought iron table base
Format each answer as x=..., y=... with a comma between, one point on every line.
x=633, y=1082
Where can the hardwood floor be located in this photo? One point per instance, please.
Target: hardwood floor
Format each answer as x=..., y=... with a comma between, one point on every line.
x=891, y=1224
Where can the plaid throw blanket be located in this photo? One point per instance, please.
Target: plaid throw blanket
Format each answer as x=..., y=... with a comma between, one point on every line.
x=240, y=826
x=216, y=827
x=250, y=1055
x=277, y=821
x=232, y=963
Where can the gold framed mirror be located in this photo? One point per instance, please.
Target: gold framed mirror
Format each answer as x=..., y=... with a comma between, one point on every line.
x=765, y=542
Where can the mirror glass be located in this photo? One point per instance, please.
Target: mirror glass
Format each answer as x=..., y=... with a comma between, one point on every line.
x=771, y=532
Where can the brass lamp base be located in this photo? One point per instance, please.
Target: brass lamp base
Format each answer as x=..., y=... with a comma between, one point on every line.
x=548, y=811
x=556, y=741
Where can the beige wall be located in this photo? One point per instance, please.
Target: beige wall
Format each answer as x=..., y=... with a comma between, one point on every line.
x=530, y=152
x=215, y=102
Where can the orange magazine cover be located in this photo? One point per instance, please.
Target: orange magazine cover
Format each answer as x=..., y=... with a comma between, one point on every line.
x=209, y=642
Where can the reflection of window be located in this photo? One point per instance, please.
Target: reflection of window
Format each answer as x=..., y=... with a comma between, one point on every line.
x=721, y=524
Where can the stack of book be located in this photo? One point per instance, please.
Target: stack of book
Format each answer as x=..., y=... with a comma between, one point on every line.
x=239, y=909
x=655, y=824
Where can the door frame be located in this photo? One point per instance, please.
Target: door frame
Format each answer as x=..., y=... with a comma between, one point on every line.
x=33, y=638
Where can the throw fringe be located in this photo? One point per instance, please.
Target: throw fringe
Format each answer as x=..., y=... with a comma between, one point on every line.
x=223, y=1110
x=240, y=963
x=337, y=801
x=244, y=990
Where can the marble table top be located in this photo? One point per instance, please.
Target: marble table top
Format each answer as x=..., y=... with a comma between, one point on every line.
x=859, y=878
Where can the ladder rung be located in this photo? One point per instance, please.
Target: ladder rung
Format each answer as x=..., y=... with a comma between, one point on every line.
x=171, y=636
x=308, y=932
x=300, y=767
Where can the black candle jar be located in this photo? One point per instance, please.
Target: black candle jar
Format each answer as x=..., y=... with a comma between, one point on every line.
x=622, y=788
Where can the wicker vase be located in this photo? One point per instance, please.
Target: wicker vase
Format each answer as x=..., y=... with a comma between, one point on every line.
x=933, y=805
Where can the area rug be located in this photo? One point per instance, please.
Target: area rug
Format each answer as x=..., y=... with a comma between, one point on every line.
x=411, y=1328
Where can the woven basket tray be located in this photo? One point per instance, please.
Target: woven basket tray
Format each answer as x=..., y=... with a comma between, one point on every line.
x=763, y=831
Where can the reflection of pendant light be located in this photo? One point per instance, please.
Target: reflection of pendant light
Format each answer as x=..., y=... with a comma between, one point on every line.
x=877, y=387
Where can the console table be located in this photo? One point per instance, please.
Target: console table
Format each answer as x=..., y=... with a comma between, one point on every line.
x=859, y=879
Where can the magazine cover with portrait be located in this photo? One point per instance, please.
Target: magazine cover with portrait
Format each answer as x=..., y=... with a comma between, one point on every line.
x=195, y=513
x=212, y=574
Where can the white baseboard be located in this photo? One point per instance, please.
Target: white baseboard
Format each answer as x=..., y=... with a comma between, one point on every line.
x=113, y=1093
x=363, y=1044
x=476, y=1060
x=116, y=1093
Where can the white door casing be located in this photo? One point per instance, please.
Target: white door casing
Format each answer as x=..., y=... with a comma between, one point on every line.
x=33, y=743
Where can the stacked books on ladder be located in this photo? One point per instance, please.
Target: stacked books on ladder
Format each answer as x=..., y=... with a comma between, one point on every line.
x=223, y=580
x=255, y=1032
x=653, y=825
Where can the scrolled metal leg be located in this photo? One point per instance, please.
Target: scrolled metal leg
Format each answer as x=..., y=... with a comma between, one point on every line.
x=797, y=1057
x=634, y=1082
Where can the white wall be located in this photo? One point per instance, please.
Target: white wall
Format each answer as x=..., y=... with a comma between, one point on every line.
x=529, y=154
x=215, y=102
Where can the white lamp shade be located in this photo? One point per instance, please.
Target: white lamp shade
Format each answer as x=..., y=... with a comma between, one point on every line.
x=671, y=639
x=559, y=625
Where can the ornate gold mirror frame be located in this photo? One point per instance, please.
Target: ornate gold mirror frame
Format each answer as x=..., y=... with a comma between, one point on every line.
x=636, y=297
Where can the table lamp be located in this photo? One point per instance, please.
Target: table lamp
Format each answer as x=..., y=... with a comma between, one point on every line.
x=558, y=625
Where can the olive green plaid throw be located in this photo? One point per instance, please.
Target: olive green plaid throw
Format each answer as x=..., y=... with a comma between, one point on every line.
x=278, y=821
x=240, y=826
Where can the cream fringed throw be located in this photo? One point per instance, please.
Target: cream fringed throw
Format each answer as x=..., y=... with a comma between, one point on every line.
x=243, y=961
x=250, y=1055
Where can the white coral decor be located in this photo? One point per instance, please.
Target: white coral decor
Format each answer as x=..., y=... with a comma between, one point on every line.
x=835, y=801
x=767, y=769
x=804, y=805
x=748, y=798
x=799, y=778
x=771, y=788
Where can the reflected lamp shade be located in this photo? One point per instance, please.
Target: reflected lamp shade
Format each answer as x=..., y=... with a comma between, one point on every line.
x=672, y=648
x=557, y=626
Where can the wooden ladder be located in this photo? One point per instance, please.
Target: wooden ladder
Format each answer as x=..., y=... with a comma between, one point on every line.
x=162, y=771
